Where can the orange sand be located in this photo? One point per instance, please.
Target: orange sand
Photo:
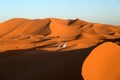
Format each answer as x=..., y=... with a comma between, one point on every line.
x=103, y=63
x=31, y=49
x=22, y=33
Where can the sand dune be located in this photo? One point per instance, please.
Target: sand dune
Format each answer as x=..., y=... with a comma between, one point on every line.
x=33, y=49
x=10, y=25
x=27, y=27
x=59, y=30
x=103, y=63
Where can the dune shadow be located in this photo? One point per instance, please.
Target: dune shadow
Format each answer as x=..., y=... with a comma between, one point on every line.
x=43, y=40
x=42, y=65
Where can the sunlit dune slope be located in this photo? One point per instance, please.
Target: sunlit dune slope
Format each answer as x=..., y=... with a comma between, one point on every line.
x=103, y=63
x=19, y=33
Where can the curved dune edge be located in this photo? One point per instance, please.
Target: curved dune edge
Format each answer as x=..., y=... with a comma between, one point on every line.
x=103, y=63
x=48, y=34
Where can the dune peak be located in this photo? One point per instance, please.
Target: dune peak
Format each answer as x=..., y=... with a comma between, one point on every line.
x=76, y=33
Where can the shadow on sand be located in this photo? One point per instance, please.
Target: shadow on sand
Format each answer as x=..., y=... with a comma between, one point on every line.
x=42, y=65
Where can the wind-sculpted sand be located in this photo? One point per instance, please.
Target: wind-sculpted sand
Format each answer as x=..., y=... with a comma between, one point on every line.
x=51, y=48
x=103, y=63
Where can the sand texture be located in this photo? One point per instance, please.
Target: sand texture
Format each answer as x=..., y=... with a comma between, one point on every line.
x=55, y=49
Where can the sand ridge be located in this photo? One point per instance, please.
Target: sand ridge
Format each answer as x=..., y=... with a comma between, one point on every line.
x=58, y=49
x=28, y=33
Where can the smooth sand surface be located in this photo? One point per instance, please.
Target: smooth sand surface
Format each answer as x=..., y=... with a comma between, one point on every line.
x=51, y=48
x=103, y=63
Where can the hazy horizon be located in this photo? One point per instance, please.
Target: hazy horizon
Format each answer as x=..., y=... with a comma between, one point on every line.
x=100, y=11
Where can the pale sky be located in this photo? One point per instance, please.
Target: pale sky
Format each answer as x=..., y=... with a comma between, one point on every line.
x=100, y=11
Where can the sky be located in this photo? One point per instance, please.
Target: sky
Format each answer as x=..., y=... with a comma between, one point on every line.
x=97, y=11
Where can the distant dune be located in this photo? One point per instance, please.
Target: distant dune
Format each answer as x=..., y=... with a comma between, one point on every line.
x=55, y=49
x=22, y=33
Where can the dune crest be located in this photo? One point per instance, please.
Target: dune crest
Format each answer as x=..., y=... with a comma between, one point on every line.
x=19, y=33
x=55, y=49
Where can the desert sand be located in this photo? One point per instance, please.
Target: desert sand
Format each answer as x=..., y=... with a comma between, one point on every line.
x=53, y=49
x=103, y=63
